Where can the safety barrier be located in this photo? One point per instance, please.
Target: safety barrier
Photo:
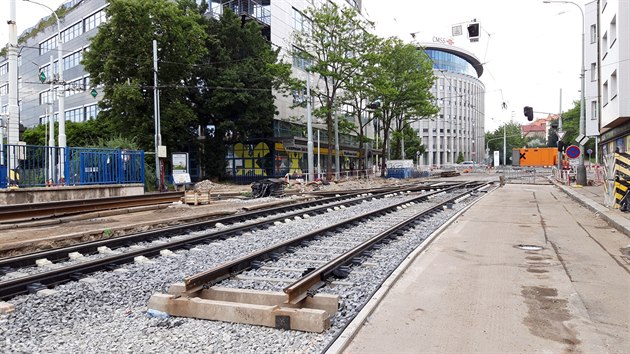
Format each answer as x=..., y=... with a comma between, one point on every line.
x=39, y=166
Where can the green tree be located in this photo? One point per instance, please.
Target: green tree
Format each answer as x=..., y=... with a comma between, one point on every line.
x=329, y=49
x=403, y=79
x=412, y=145
x=513, y=136
x=571, y=125
x=358, y=96
x=231, y=89
x=121, y=59
x=79, y=134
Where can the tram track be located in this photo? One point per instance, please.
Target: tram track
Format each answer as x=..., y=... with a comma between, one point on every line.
x=21, y=213
x=353, y=240
x=44, y=279
x=115, y=302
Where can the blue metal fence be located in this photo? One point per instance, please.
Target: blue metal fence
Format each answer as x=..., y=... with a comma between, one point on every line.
x=37, y=166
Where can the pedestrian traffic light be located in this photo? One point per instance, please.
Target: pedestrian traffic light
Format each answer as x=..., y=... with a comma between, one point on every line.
x=473, y=32
x=529, y=113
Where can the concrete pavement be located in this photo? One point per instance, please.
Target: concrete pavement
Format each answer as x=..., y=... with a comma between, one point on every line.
x=474, y=290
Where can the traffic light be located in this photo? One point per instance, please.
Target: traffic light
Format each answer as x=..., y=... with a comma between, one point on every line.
x=560, y=145
x=473, y=32
x=529, y=113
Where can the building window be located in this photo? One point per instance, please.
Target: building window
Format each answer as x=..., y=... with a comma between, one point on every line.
x=593, y=33
x=593, y=71
x=92, y=21
x=300, y=22
x=613, y=85
x=73, y=87
x=4, y=69
x=91, y=111
x=613, y=31
x=75, y=115
x=72, y=32
x=4, y=90
x=72, y=60
x=605, y=44
x=48, y=45
x=605, y=93
x=593, y=110
x=301, y=59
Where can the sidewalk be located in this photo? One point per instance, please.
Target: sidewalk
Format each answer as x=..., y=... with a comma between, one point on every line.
x=475, y=289
x=592, y=197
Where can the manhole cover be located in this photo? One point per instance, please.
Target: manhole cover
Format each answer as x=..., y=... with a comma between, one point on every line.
x=529, y=247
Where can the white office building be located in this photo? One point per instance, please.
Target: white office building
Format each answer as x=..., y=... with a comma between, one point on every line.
x=611, y=80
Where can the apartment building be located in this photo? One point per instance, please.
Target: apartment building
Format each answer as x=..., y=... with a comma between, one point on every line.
x=607, y=52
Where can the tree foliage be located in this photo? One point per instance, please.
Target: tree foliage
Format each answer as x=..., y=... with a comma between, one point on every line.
x=514, y=140
x=403, y=79
x=231, y=89
x=333, y=49
x=412, y=145
x=121, y=59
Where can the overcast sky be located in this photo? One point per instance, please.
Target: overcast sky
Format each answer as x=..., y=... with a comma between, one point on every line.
x=529, y=49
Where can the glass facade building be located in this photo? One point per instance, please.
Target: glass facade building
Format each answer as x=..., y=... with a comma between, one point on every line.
x=456, y=132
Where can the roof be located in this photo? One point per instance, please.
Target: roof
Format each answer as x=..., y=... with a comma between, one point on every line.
x=462, y=53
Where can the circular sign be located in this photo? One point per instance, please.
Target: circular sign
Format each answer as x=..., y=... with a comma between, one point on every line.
x=573, y=152
x=589, y=151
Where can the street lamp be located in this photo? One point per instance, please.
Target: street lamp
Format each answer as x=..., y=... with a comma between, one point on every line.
x=581, y=169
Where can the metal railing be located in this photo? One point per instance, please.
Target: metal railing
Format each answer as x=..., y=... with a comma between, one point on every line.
x=39, y=166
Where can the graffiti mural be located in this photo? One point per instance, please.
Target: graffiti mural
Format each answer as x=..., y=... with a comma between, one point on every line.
x=255, y=160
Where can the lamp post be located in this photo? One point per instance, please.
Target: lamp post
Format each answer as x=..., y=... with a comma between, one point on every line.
x=61, y=93
x=581, y=169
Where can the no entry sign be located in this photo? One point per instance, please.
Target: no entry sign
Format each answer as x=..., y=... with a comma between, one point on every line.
x=573, y=152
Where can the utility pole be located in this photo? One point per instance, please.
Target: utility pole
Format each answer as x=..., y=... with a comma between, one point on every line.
x=560, y=134
x=309, y=129
x=504, y=146
x=13, y=135
x=156, y=114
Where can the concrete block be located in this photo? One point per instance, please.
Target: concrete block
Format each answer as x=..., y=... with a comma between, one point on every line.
x=167, y=253
x=76, y=256
x=6, y=307
x=88, y=280
x=43, y=262
x=46, y=292
x=142, y=260
x=105, y=250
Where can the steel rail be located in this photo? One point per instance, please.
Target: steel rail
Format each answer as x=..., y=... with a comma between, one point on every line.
x=194, y=282
x=299, y=289
x=92, y=246
x=13, y=287
x=31, y=211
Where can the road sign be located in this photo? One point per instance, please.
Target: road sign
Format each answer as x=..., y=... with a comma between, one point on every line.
x=589, y=151
x=561, y=134
x=573, y=152
x=42, y=77
x=581, y=139
x=93, y=93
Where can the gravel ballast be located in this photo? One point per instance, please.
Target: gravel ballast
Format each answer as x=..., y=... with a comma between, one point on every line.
x=110, y=314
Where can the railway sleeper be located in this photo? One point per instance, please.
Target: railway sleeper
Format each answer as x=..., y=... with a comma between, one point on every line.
x=256, y=307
